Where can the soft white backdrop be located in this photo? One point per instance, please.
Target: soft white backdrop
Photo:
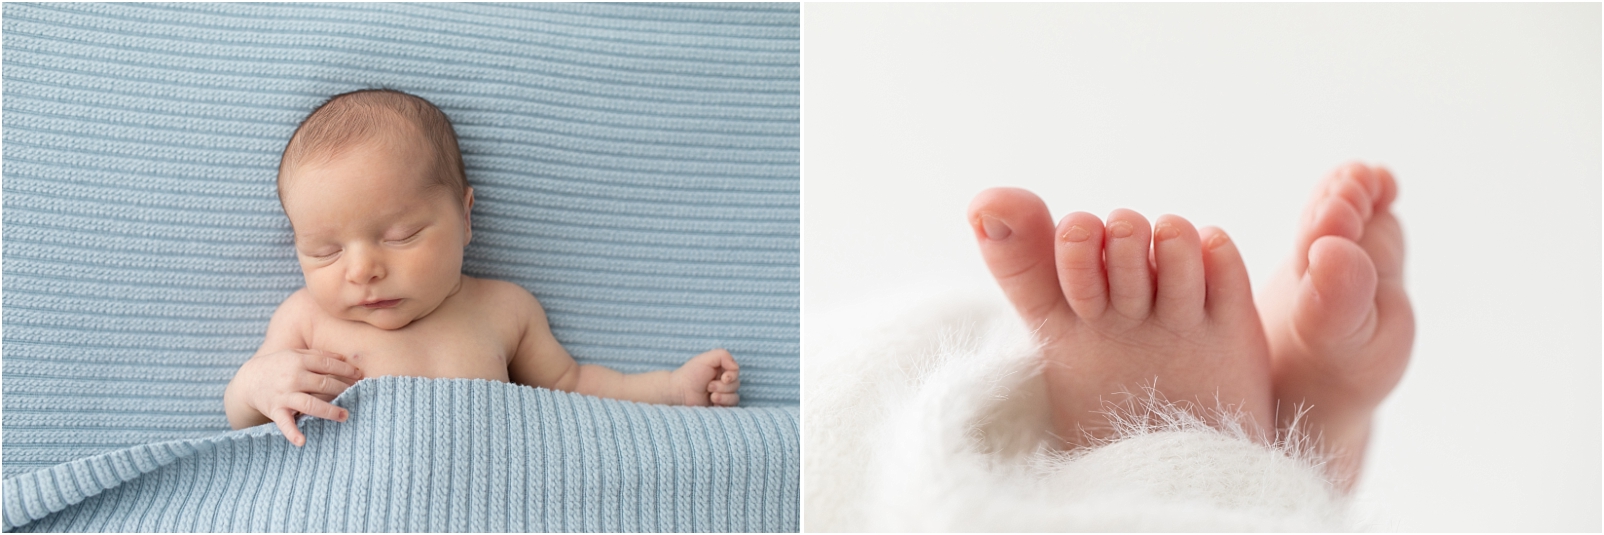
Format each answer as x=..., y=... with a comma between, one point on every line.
x=1489, y=115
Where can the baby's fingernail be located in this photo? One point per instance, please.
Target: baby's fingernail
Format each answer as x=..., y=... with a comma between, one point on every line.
x=995, y=229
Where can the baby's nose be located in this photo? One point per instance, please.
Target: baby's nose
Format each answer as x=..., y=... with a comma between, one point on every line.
x=365, y=267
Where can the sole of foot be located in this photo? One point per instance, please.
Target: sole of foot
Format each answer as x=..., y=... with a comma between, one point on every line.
x=1337, y=318
x=1124, y=305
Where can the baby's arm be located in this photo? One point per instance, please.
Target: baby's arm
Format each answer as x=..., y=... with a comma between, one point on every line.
x=711, y=378
x=285, y=378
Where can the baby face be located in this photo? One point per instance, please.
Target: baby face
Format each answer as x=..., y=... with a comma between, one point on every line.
x=379, y=240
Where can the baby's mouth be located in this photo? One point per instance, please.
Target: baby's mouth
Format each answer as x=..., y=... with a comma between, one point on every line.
x=382, y=304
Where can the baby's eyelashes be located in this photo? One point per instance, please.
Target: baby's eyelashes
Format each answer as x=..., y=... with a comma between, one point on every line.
x=403, y=236
x=322, y=254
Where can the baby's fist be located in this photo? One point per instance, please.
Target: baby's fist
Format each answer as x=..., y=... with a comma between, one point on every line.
x=711, y=378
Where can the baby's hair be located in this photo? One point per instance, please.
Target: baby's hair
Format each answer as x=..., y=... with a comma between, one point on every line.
x=347, y=119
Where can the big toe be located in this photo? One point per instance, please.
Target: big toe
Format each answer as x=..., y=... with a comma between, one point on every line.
x=1015, y=234
x=1335, y=306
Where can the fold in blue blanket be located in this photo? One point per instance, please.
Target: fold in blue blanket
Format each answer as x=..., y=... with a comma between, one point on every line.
x=635, y=167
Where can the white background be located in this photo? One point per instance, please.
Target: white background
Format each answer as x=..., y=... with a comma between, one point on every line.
x=1489, y=115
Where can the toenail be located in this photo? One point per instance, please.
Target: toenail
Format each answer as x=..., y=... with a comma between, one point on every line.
x=995, y=228
x=1076, y=233
x=1119, y=229
x=1166, y=231
x=1217, y=240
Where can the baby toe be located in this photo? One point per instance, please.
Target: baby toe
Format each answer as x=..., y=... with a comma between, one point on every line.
x=1230, y=292
x=1125, y=250
x=1079, y=254
x=1178, y=258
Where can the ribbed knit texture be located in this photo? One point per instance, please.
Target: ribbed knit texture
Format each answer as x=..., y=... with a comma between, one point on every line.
x=635, y=167
x=444, y=455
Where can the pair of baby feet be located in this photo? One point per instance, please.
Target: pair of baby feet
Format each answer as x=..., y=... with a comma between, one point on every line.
x=1120, y=305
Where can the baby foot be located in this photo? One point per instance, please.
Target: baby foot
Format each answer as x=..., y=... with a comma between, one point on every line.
x=1339, y=324
x=1121, y=306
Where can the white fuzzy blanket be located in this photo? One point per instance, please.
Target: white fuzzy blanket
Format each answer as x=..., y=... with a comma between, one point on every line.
x=933, y=418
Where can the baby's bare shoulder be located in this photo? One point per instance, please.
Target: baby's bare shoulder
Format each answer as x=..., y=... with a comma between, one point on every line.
x=505, y=296
x=298, y=306
x=291, y=325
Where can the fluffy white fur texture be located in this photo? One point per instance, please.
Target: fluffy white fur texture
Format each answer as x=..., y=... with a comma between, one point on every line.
x=934, y=418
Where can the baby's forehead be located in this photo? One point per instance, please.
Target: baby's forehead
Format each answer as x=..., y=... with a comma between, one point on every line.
x=401, y=139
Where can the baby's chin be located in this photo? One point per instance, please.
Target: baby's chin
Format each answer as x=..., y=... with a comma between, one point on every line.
x=387, y=324
x=388, y=320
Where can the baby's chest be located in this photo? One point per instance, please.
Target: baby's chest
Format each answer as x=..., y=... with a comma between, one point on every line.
x=457, y=350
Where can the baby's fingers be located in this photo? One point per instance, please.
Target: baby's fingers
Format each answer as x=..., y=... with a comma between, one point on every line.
x=717, y=358
x=725, y=387
x=285, y=419
x=725, y=399
x=311, y=406
x=330, y=363
x=727, y=361
x=317, y=383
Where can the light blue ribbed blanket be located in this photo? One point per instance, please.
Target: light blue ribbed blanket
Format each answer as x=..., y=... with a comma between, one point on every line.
x=444, y=455
x=635, y=167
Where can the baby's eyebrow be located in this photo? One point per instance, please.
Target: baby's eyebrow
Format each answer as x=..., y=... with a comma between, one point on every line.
x=303, y=237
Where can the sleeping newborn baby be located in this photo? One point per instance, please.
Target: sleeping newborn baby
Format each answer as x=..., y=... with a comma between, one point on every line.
x=374, y=187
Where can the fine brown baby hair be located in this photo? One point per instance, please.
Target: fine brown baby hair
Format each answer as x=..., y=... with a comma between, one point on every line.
x=348, y=119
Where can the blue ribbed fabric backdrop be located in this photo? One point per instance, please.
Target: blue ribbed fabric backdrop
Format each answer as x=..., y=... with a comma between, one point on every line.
x=635, y=166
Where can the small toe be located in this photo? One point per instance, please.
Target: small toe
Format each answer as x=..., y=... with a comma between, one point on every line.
x=1383, y=241
x=1080, y=264
x=1343, y=203
x=1230, y=291
x=1125, y=252
x=1015, y=235
x=1388, y=187
x=1178, y=259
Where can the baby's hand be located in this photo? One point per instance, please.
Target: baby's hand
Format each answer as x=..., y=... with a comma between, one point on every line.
x=285, y=383
x=711, y=378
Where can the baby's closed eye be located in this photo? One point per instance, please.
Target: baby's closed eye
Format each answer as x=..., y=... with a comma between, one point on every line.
x=323, y=253
x=402, y=235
